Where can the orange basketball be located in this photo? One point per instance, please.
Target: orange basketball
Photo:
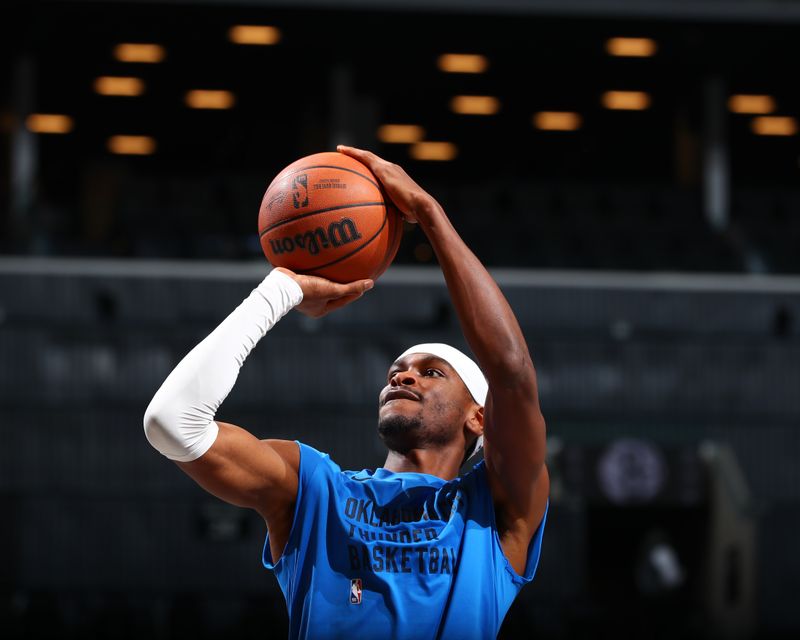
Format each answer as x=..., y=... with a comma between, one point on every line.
x=326, y=215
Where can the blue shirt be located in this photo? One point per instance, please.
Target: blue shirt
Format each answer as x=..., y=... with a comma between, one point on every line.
x=384, y=555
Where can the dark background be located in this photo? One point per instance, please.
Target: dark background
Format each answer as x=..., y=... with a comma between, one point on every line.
x=655, y=281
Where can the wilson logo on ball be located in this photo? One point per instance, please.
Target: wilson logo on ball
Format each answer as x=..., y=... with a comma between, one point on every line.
x=337, y=234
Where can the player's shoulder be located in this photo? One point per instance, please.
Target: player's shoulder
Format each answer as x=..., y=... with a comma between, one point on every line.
x=313, y=460
x=284, y=448
x=473, y=477
x=300, y=456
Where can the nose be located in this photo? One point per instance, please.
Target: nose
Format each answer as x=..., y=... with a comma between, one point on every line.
x=402, y=378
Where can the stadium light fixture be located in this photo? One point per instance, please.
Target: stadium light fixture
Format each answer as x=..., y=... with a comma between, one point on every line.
x=118, y=86
x=752, y=104
x=400, y=133
x=254, y=34
x=475, y=105
x=205, y=99
x=132, y=145
x=438, y=151
x=631, y=47
x=49, y=123
x=140, y=52
x=463, y=63
x=557, y=120
x=774, y=126
x=626, y=100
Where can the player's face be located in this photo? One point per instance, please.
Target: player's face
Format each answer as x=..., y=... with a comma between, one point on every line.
x=424, y=403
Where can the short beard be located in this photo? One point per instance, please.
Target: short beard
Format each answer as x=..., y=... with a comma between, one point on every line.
x=403, y=433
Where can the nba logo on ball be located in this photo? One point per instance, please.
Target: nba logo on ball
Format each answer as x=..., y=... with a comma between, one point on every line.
x=300, y=191
x=355, y=591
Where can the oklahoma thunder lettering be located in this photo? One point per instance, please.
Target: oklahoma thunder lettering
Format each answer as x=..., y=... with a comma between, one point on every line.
x=423, y=559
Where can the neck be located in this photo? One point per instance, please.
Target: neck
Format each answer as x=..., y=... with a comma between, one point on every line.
x=443, y=463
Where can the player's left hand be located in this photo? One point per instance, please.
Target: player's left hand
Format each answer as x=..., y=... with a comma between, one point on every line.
x=406, y=194
x=321, y=296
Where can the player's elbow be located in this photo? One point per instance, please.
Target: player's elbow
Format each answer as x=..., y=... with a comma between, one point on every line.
x=155, y=422
x=180, y=431
x=509, y=360
x=515, y=373
x=163, y=424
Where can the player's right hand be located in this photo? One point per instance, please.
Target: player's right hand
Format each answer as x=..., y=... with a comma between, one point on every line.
x=321, y=296
x=409, y=198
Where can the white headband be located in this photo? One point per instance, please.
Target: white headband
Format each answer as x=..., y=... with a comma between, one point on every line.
x=466, y=368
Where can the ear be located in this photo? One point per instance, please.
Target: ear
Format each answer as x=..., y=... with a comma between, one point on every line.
x=474, y=422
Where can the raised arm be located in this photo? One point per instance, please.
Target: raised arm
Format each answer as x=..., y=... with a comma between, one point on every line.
x=514, y=428
x=224, y=459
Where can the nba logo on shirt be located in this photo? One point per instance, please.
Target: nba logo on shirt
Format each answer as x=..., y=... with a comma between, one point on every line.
x=355, y=591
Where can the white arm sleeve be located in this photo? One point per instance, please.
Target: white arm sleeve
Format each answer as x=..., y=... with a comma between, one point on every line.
x=179, y=421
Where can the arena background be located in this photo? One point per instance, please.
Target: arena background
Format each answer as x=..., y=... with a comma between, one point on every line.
x=648, y=239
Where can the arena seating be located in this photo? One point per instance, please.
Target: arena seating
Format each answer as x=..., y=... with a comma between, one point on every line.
x=630, y=227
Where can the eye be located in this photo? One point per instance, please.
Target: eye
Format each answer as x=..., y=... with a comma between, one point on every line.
x=434, y=373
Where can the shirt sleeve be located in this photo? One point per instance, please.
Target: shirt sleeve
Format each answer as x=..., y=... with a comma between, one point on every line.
x=534, y=551
x=507, y=581
x=312, y=488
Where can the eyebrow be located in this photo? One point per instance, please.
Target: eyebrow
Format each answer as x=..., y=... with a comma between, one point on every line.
x=427, y=359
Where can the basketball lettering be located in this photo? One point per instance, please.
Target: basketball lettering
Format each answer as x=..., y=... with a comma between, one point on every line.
x=337, y=234
x=343, y=232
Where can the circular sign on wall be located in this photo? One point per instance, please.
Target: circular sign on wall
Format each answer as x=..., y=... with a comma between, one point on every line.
x=631, y=470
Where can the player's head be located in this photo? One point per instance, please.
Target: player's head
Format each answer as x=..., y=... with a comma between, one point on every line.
x=434, y=396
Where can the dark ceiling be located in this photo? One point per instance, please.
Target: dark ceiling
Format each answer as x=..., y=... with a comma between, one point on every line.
x=336, y=75
x=286, y=94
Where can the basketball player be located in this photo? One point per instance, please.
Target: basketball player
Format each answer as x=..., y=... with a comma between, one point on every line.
x=410, y=550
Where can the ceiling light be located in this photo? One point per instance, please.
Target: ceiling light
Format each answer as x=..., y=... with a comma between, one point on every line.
x=756, y=104
x=774, y=126
x=204, y=99
x=475, y=105
x=132, y=145
x=131, y=52
x=557, y=120
x=49, y=123
x=631, y=47
x=463, y=63
x=626, y=100
x=441, y=151
x=400, y=133
x=254, y=34
x=118, y=86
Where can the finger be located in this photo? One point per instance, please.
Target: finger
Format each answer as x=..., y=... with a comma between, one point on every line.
x=367, y=157
x=357, y=287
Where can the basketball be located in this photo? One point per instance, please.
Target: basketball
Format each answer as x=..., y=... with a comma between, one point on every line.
x=326, y=215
